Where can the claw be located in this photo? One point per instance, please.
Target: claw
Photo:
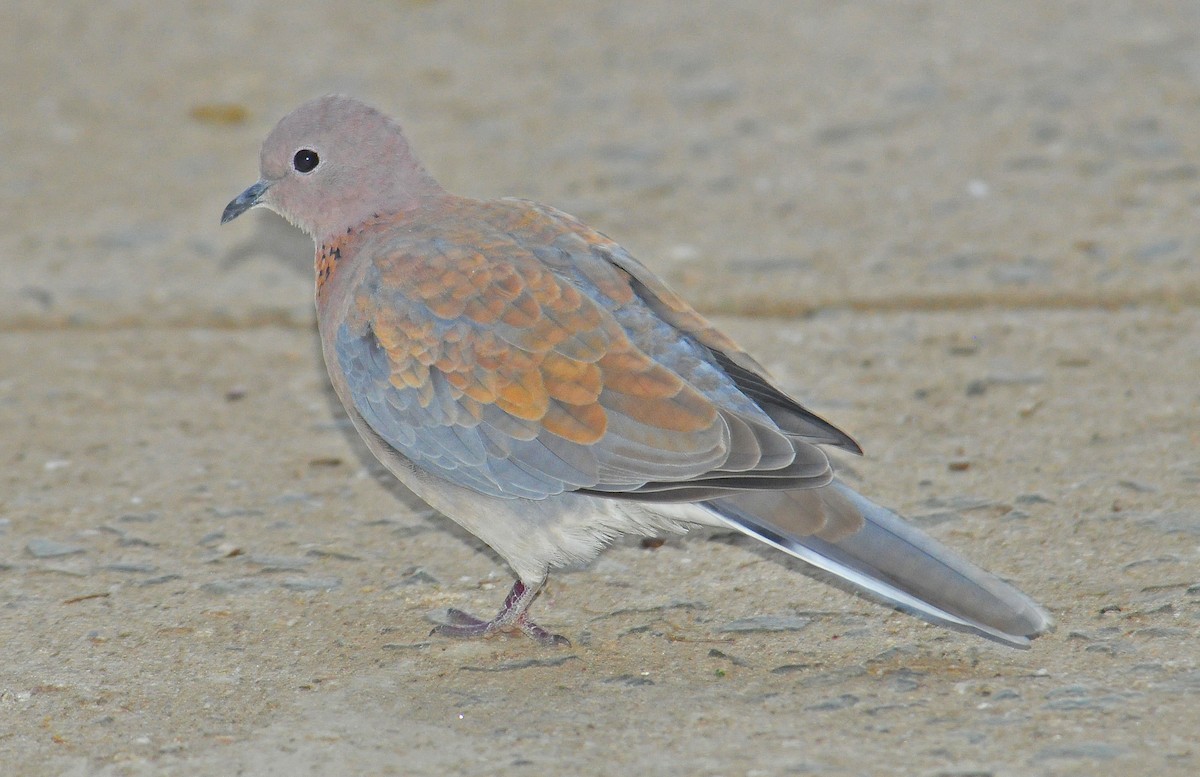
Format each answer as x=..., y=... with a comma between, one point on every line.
x=459, y=618
x=513, y=616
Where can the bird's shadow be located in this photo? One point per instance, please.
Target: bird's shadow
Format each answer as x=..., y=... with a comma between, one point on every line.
x=273, y=237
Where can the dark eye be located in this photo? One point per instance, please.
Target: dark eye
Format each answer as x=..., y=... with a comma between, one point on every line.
x=305, y=160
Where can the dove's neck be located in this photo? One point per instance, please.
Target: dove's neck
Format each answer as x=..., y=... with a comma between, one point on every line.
x=380, y=200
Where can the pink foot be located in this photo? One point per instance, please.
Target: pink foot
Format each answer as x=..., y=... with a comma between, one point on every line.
x=513, y=616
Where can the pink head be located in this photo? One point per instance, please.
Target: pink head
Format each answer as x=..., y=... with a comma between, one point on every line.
x=333, y=163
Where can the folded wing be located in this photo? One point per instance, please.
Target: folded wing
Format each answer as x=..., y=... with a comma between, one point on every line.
x=516, y=352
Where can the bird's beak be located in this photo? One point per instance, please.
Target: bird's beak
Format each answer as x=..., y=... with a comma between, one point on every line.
x=244, y=201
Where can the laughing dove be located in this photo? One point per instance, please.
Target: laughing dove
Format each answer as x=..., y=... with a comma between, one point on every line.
x=528, y=378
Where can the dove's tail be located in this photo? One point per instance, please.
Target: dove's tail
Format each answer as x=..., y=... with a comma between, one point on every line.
x=839, y=531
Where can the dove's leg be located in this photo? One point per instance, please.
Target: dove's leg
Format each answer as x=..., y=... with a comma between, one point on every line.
x=512, y=616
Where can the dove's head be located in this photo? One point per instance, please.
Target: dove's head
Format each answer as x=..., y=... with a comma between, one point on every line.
x=333, y=163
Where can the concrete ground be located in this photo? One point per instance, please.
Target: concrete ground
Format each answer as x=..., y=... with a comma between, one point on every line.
x=964, y=232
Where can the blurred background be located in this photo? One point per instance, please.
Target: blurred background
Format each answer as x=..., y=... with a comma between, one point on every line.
x=807, y=154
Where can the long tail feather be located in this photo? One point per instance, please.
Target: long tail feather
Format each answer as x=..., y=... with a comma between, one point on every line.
x=884, y=557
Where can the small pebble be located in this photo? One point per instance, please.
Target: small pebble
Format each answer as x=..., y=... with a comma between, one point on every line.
x=415, y=576
x=139, y=568
x=234, y=586
x=1094, y=751
x=836, y=703
x=312, y=583
x=766, y=623
x=532, y=663
x=41, y=548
